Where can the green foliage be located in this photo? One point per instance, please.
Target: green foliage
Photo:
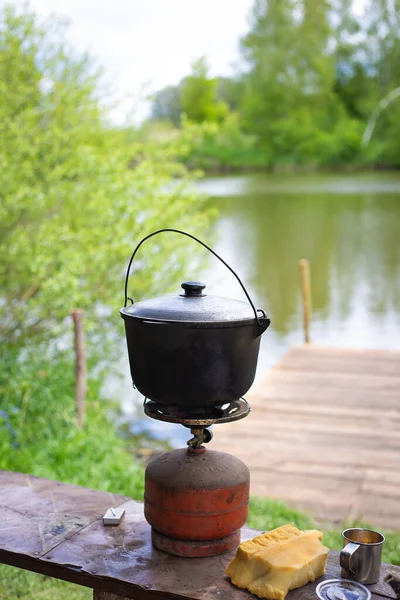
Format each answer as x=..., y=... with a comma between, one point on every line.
x=215, y=146
x=75, y=196
x=288, y=88
x=218, y=95
x=38, y=433
x=166, y=104
x=198, y=98
x=315, y=73
x=16, y=584
x=230, y=91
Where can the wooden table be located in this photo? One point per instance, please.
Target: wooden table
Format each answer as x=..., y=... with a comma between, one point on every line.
x=56, y=529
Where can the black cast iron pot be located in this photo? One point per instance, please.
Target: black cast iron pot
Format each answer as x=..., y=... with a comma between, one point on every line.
x=192, y=350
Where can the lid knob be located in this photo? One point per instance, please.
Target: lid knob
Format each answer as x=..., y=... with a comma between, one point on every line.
x=193, y=288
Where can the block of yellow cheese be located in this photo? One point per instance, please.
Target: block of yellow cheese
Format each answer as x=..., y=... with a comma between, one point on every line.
x=280, y=560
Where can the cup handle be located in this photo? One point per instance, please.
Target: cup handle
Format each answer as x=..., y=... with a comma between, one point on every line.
x=346, y=556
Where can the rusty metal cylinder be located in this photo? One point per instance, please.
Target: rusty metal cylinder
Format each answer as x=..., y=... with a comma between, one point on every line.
x=197, y=498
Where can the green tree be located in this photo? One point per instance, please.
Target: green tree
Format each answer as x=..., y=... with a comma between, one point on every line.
x=219, y=146
x=230, y=90
x=289, y=100
x=382, y=51
x=199, y=96
x=269, y=52
x=315, y=63
x=71, y=210
x=353, y=82
x=382, y=42
x=166, y=104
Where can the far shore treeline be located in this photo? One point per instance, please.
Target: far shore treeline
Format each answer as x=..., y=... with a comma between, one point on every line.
x=313, y=73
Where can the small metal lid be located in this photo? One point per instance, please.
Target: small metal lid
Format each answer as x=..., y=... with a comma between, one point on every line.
x=342, y=589
x=191, y=306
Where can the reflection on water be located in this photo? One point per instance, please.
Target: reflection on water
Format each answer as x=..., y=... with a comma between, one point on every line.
x=348, y=227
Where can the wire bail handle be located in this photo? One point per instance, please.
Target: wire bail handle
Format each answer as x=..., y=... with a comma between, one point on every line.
x=255, y=310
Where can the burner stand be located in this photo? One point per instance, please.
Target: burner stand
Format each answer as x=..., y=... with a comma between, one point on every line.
x=226, y=413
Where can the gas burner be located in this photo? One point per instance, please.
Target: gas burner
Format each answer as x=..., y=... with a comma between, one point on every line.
x=224, y=413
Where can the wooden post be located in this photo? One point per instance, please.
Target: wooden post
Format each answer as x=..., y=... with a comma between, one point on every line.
x=80, y=366
x=306, y=293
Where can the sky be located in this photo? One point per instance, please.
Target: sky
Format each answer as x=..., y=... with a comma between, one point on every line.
x=145, y=45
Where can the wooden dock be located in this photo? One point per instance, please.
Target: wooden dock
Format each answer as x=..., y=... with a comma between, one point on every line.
x=324, y=434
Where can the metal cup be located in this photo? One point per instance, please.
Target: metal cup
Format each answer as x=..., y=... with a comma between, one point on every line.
x=361, y=555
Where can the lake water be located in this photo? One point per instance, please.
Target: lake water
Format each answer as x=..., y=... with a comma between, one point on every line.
x=347, y=226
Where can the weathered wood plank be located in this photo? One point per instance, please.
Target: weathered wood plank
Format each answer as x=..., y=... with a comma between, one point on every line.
x=298, y=393
x=330, y=352
x=318, y=440
x=322, y=428
x=305, y=406
x=64, y=510
x=369, y=382
x=318, y=359
x=378, y=477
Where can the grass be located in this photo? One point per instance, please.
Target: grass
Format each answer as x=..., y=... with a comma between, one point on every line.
x=38, y=435
x=16, y=584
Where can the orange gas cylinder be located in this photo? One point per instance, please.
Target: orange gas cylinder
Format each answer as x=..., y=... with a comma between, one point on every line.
x=196, y=501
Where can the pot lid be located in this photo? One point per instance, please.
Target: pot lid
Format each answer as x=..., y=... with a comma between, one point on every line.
x=191, y=306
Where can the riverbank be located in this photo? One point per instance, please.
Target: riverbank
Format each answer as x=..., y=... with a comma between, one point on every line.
x=225, y=148
x=292, y=169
